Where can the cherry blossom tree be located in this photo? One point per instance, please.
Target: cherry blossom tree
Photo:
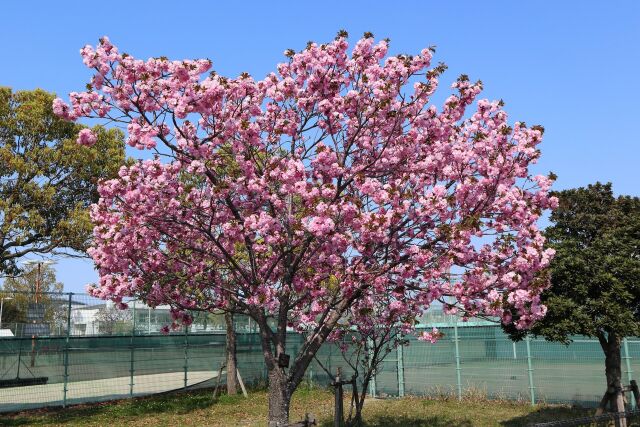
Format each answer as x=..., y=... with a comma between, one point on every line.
x=371, y=329
x=348, y=182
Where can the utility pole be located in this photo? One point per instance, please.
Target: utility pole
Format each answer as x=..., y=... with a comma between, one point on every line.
x=36, y=314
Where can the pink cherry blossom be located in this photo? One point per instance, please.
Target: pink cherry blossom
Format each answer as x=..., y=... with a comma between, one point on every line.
x=432, y=336
x=87, y=138
x=309, y=195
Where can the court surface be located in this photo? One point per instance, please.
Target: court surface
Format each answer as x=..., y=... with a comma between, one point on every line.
x=18, y=398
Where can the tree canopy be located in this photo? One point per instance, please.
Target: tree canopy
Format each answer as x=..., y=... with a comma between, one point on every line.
x=22, y=290
x=595, y=274
x=47, y=181
x=351, y=185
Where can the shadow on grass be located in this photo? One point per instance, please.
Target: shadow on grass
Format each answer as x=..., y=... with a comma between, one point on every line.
x=546, y=415
x=175, y=403
x=407, y=421
x=117, y=412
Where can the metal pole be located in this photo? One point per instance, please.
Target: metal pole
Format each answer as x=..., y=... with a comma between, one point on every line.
x=627, y=358
x=1, y=307
x=186, y=354
x=33, y=337
x=532, y=389
x=458, y=368
x=133, y=333
x=38, y=282
x=19, y=357
x=66, y=353
x=400, y=355
x=149, y=321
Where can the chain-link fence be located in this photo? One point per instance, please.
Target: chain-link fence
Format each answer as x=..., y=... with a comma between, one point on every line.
x=62, y=349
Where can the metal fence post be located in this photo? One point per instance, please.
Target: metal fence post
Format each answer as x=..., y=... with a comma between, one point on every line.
x=457, y=356
x=627, y=359
x=66, y=354
x=532, y=389
x=186, y=354
x=133, y=334
x=400, y=371
x=372, y=383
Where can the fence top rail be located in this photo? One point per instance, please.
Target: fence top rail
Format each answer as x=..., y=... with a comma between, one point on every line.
x=459, y=323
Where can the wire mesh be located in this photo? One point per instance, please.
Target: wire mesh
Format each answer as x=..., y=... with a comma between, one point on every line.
x=73, y=348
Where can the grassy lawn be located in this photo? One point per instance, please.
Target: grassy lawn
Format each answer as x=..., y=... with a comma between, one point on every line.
x=199, y=409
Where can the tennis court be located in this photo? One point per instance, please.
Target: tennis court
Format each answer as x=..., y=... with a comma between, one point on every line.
x=20, y=398
x=133, y=359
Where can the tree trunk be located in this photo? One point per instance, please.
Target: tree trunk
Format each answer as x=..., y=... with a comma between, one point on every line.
x=283, y=384
x=613, y=371
x=232, y=376
x=279, y=398
x=359, y=401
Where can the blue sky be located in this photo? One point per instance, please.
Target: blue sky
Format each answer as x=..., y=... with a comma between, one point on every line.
x=572, y=66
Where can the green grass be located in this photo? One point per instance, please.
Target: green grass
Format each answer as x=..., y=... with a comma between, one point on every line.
x=199, y=409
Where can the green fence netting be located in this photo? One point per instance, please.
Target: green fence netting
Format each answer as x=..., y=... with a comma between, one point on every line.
x=69, y=348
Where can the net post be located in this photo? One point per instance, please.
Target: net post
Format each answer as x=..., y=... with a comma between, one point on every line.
x=532, y=388
x=400, y=369
x=400, y=357
x=456, y=340
x=132, y=356
x=186, y=355
x=66, y=354
x=627, y=359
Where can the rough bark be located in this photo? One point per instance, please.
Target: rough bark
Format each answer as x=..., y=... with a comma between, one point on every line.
x=279, y=395
x=232, y=362
x=613, y=371
x=279, y=398
x=282, y=384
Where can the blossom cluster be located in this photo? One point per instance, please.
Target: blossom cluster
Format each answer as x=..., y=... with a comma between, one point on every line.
x=331, y=182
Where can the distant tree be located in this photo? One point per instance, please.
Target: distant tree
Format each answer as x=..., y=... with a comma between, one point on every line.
x=27, y=281
x=10, y=311
x=23, y=288
x=595, y=274
x=111, y=319
x=47, y=181
x=209, y=320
